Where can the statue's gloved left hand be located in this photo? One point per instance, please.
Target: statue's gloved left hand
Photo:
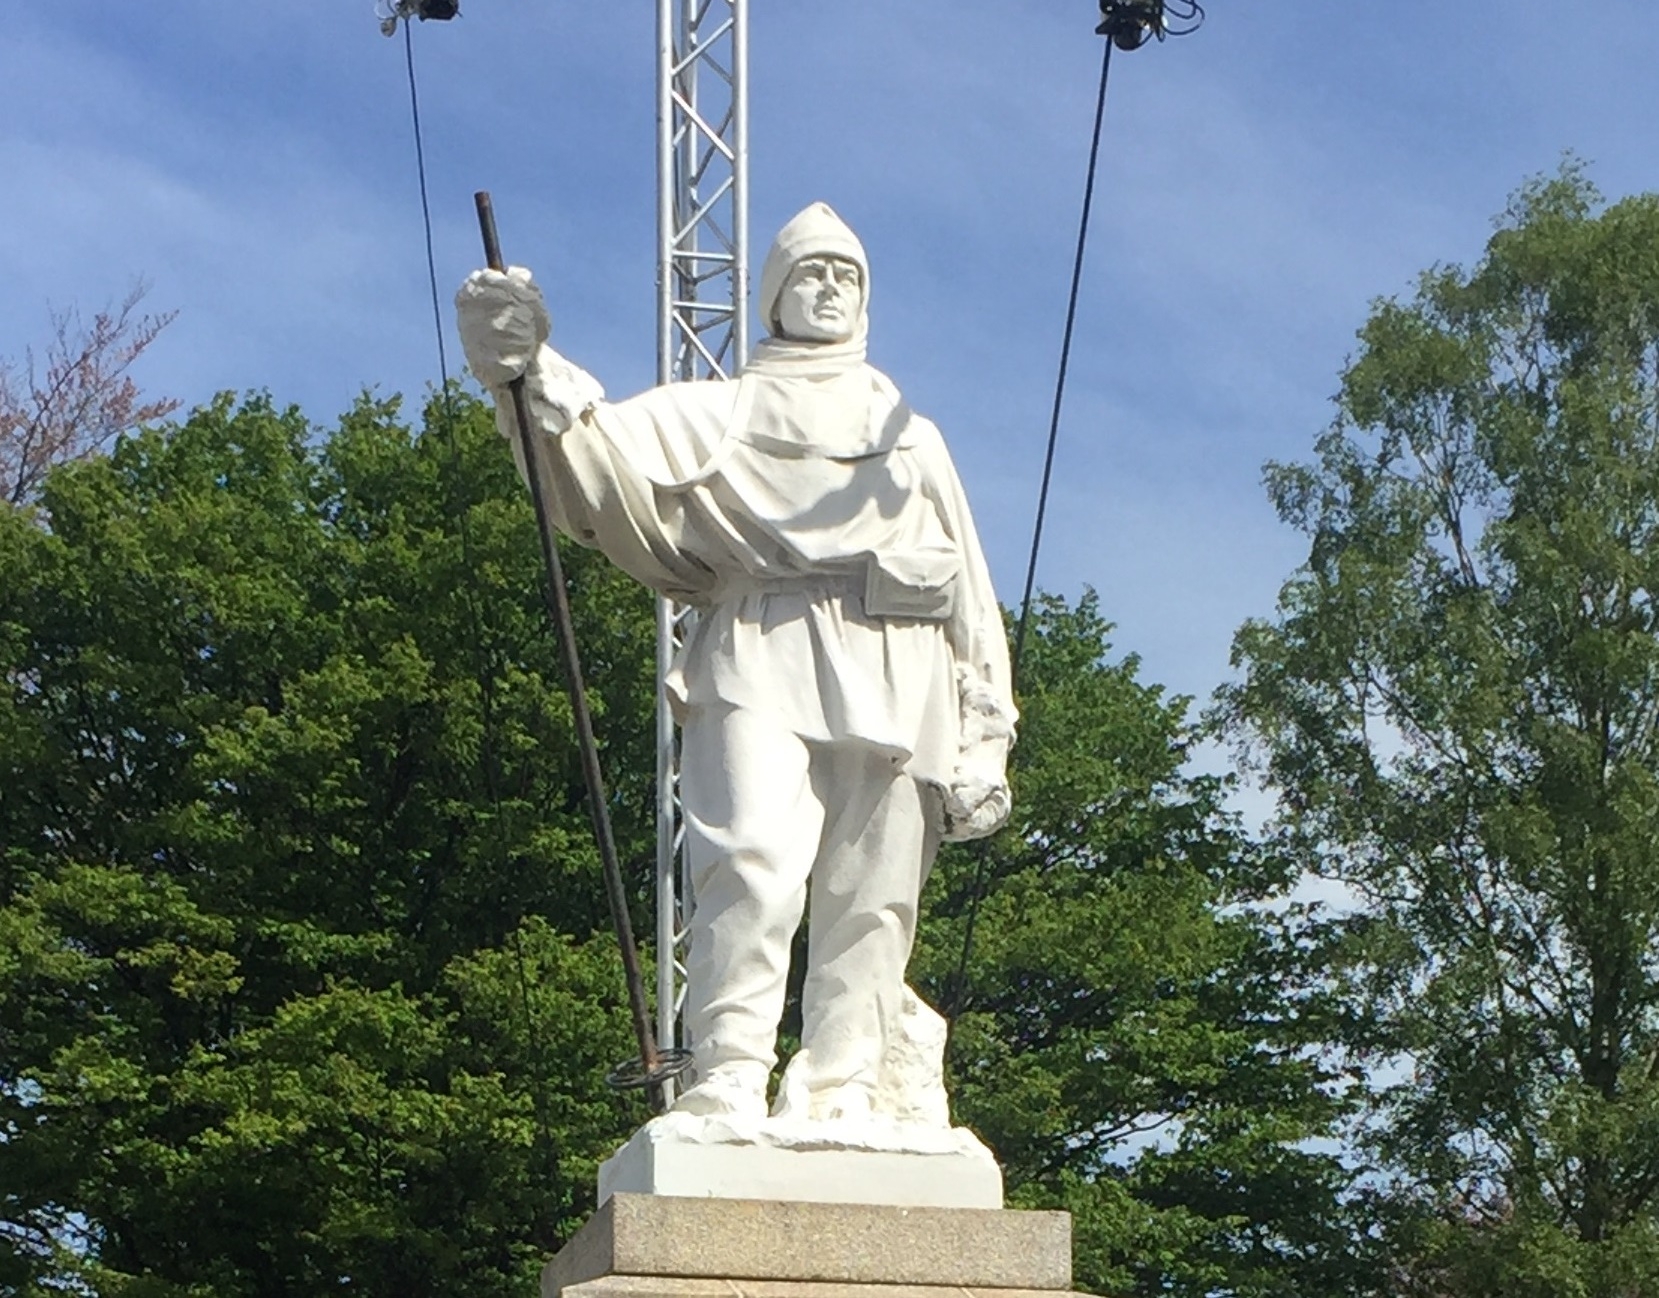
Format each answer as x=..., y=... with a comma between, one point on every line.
x=975, y=801
x=971, y=807
x=503, y=321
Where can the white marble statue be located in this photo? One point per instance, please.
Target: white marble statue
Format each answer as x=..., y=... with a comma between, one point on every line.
x=844, y=698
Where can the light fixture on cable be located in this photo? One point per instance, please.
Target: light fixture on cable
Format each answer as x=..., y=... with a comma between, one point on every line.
x=1129, y=24
x=392, y=12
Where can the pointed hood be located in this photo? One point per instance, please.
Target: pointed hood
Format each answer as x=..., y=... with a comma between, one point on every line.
x=813, y=398
x=814, y=231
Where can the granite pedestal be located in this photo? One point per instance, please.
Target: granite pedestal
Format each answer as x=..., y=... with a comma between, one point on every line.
x=664, y=1246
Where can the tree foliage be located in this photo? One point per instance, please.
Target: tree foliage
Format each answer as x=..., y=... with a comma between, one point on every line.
x=305, y=975
x=1136, y=1032
x=1458, y=703
x=303, y=980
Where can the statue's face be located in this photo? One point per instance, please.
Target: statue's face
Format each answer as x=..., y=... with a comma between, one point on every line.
x=821, y=300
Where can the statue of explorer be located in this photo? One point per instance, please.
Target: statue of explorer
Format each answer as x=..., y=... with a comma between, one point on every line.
x=844, y=697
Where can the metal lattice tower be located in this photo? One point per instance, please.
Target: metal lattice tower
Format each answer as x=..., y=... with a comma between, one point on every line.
x=702, y=333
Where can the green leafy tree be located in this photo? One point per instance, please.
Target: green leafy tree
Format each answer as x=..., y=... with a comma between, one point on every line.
x=305, y=980
x=1458, y=703
x=1135, y=1031
x=305, y=976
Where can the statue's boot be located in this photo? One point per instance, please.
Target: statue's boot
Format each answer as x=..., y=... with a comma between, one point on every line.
x=735, y=1090
x=802, y=1097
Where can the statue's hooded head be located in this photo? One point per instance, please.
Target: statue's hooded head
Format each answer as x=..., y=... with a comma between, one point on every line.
x=815, y=233
x=807, y=383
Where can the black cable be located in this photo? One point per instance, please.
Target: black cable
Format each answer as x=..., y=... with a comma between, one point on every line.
x=1188, y=14
x=485, y=668
x=977, y=894
x=1065, y=362
x=426, y=208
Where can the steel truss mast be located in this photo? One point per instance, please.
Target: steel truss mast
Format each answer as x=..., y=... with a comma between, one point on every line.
x=702, y=333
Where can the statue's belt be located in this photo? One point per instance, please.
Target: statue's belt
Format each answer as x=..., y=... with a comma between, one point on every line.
x=887, y=589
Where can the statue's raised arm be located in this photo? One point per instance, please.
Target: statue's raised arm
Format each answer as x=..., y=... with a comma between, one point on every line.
x=844, y=697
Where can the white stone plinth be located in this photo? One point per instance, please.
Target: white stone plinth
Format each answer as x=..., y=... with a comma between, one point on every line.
x=869, y=1161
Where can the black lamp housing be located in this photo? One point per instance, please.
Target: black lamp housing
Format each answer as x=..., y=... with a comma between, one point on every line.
x=1129, y=24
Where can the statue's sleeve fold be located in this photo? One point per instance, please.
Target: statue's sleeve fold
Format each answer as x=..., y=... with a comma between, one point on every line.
x=600, y=463
x=979, y=641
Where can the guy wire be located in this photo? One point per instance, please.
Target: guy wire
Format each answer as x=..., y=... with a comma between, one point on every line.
x=426, y=209
x=976, y=895
x=1065, y=362
x=486, y=678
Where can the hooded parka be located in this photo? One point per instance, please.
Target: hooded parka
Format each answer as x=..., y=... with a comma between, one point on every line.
x=847, y=667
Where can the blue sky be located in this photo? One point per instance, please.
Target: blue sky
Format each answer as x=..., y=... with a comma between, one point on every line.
x=1261, y=182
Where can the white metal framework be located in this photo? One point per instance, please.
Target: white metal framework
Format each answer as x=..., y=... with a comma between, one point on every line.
x=702, y=333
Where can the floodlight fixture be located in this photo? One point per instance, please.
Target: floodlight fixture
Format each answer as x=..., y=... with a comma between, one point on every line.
x=1129, y=24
